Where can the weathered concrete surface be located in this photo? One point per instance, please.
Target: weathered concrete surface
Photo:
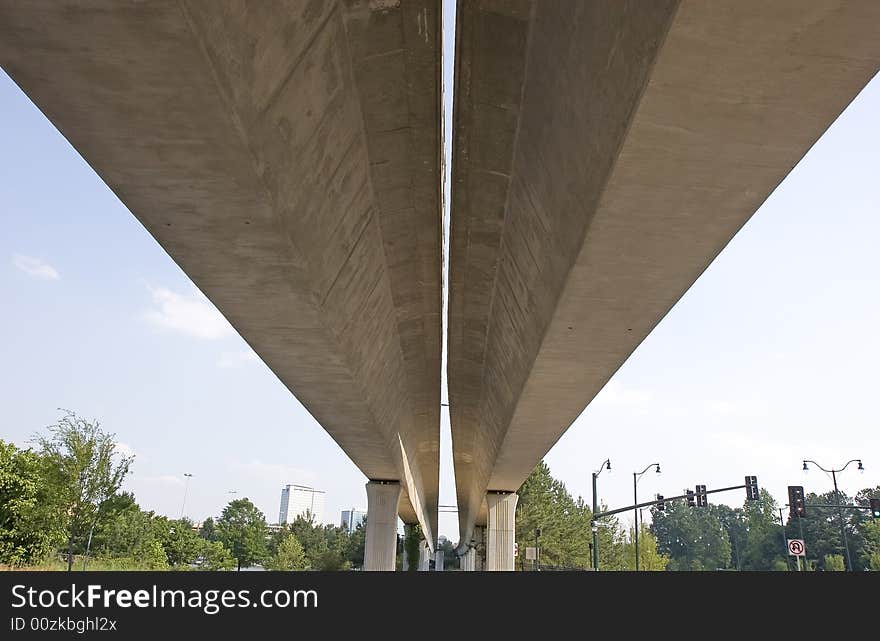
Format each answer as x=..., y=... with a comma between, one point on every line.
x=604, y=154
x=286, y=155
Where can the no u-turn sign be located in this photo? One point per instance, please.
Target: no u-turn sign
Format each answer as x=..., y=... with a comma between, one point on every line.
x=796, y=547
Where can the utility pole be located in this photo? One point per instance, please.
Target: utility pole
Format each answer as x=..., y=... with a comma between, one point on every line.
x=784, y=542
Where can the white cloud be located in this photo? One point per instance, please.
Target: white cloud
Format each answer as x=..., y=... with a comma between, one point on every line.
x=231, y=360
x=190, y=314
x=616, y=394
x=35, y=267
x=124, y=449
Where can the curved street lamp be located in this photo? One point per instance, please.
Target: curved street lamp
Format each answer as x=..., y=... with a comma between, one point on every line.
x=636, y=477
x=606, y=464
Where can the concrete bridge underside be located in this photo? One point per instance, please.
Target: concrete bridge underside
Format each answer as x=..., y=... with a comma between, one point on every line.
x=604, y=154
x=286, y=154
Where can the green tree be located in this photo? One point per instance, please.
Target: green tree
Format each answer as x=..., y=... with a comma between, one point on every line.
x=692, y=538
x=356, y=545
x=181, y=543
x=544, y=503
x=242, y=529
x=289, y=555
x=334, y=556
x=29, y=525
x=821, y=530
x=834, y=563
x=208, y=530
x=615, y=550
x=761, y=548
x=650, y=559
x=871, y=554
x=450, y=558
x=215, y=556
x=87, y=472
x=412, y=540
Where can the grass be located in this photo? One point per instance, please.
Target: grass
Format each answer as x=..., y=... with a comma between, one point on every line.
x=94, y=565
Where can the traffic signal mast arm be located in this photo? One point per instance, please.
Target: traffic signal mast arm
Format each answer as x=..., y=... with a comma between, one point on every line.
x=842, y=506
x=666, y=499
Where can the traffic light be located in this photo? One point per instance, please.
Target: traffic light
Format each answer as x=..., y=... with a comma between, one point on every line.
x=797, y=508
x=690, y=498
x=752, y=493
x=661, y=506
x=875, y=508
x=702, y=499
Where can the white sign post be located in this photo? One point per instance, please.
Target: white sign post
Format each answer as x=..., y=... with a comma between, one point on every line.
x=797, y=549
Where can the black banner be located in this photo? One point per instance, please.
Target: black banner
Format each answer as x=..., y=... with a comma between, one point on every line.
x=152, y=604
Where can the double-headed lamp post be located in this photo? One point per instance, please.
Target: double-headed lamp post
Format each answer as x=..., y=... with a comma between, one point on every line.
x=185, y=490
x=606, y=464
x=636, y=477
x=834, y=474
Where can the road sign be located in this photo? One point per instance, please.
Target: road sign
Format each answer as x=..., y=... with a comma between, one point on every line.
x=531, y=554
x=796, y=547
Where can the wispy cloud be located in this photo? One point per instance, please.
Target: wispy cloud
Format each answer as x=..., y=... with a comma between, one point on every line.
x=35, y=267
x=615, y=393
x=273, y=472
x=124, y=449
x=162, y=479
x=191, y=314
x=231, y=360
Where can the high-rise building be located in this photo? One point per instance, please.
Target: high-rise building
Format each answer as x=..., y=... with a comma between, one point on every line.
x=352, y=518
x=297, y=500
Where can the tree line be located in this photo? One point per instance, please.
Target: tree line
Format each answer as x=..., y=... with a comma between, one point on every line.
x=565, y=540
x=61, y=506
x=716, y=537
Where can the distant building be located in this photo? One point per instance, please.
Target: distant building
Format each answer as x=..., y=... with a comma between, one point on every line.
x=352, y=518
x=297, y=500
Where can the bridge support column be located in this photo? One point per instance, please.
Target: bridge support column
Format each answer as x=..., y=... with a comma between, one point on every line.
x=409, y=563
x=380, y=546
x=479, y=538
x=501, y=531
x=424, y=556
x=468, y=560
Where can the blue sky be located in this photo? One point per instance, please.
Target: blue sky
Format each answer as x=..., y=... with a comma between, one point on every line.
x=771, y=356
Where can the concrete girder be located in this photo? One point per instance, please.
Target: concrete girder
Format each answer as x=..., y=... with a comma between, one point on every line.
x=604, y=154
x=286, y=154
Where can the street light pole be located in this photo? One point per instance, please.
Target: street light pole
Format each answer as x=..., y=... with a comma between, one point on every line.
x=833, y=474
x=594, y=526
x=537, y=534
x=784, y=542
x=636, y=477
x=185, y=490
x=840, y=516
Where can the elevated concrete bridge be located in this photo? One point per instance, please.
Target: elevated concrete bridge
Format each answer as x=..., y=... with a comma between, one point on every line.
x=287, y=155
x=604, y=154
